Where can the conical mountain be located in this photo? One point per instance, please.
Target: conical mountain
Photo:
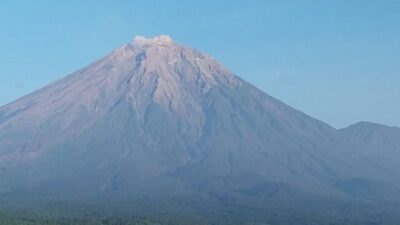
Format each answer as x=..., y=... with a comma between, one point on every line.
x=156, y=118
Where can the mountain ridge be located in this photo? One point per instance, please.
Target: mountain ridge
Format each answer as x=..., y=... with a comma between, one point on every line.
x=154, y=120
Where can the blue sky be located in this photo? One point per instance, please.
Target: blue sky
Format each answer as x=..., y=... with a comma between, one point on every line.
x=335, y=60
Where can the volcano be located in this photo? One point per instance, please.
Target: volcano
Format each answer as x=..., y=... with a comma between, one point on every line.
x=156, y=127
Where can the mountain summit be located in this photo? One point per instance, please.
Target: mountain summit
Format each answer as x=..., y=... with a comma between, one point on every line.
x=157, y=121
x=158, y=40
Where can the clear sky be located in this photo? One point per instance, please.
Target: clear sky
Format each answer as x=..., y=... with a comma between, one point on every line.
x=336, y=60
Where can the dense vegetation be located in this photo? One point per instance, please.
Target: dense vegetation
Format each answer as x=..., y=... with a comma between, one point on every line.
x=69, y=221
x=15, y=219
x=31, y=219
x=24, y=213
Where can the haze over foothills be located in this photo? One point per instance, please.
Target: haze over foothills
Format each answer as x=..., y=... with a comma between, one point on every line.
x=337, y=60
x=199, y=113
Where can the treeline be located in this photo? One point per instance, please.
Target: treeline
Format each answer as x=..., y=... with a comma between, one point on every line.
x=42, y=220
x=39, y=219
x=243, y=217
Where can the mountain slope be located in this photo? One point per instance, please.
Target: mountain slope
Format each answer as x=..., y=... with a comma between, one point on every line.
x=160, y=121
x=378, y=144
x=376, y=135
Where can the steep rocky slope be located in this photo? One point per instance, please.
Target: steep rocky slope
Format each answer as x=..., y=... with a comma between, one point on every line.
x=157, y=120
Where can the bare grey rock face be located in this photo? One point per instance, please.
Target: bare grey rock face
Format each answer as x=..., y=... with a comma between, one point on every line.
x=155, y=118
